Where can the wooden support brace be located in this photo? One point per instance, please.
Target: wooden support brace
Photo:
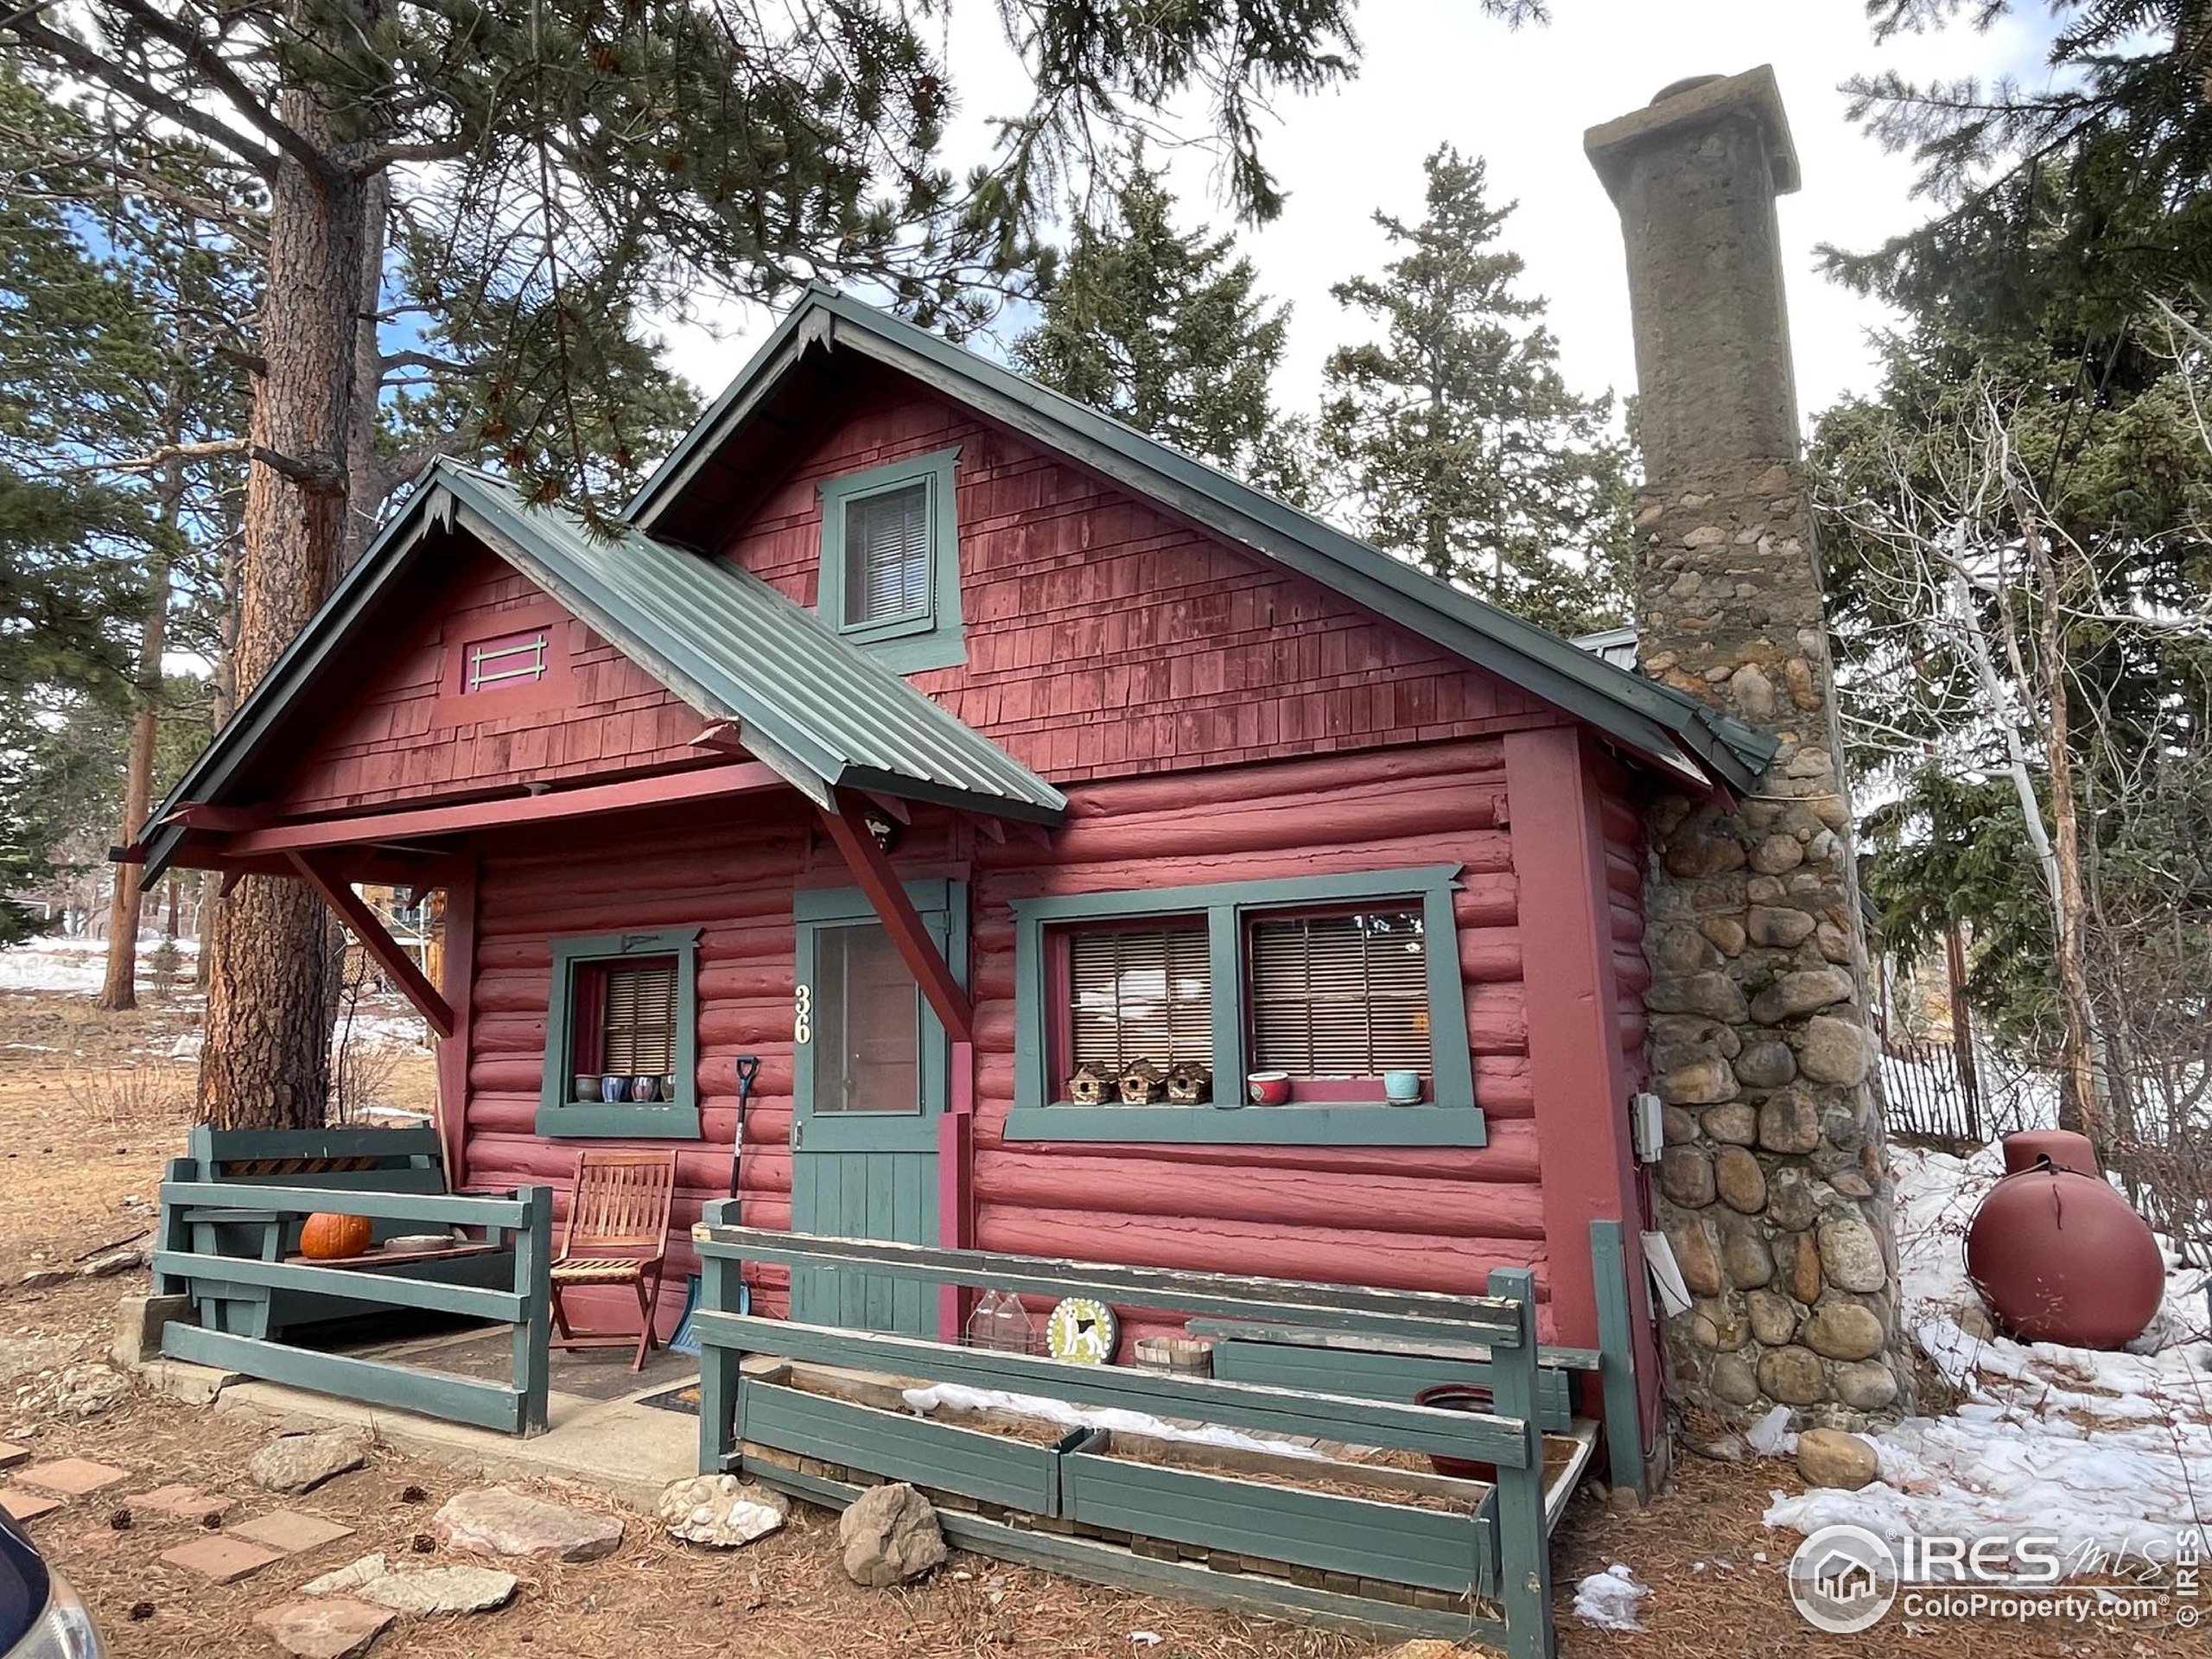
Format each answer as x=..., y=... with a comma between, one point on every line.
x=887, y=896
x=376, y=941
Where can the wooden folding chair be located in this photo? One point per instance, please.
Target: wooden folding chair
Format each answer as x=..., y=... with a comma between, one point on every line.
x=617, y=1234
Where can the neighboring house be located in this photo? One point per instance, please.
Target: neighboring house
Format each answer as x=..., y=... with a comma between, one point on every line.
x=950, y=749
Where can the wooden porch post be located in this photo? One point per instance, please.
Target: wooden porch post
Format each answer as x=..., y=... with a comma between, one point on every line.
x=459, y=965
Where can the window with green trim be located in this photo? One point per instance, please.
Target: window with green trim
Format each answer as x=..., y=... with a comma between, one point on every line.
x=1142, y=1015
x=891, y=562
x=621, y=1047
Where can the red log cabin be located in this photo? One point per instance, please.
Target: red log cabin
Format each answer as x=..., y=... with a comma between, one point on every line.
x=940, y=809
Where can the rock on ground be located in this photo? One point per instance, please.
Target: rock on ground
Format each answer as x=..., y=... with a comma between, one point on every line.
x=889, y=1535
x=1830, y=1456
x=84, y=1391
x=339, y=1629
x=721, y=1511
x=351, y=1576
x=499, y=1520
x=299, y=1463
x=442, y=1590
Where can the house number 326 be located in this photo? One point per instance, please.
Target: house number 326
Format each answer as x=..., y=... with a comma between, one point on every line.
x=803, y=1017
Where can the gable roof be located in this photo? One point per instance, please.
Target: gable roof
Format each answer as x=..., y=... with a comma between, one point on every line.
x=807, y=703
x=1675, y=731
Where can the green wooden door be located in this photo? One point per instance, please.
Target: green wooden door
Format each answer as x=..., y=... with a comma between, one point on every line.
x=870, y=1082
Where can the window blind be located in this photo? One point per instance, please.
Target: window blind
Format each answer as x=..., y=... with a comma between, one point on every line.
x=887, y=555
x=1141, y=993
x=1340, y=996
x=638, y=1022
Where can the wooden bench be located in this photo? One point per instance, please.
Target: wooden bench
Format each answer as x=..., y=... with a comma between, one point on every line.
x=339, y=1161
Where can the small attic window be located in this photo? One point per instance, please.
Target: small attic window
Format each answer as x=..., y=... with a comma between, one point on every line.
x=506, y=659
x=890, y=576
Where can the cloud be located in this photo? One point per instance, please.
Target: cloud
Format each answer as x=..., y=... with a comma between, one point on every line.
x=1437, y=71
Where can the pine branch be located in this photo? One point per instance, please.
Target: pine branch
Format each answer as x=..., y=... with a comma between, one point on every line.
x=250, y=105
x=98, y=67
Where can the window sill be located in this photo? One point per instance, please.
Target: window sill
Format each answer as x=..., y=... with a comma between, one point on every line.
x=1257, y=1126
x=638, y=1121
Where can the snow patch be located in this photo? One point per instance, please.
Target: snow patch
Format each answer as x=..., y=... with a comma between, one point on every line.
x=1610, y=1599
x=955, y=1397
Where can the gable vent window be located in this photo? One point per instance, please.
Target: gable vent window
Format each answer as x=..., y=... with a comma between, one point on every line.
x=1340, y=996
x=1141, y=994
x=509, y=659
x=887, y=556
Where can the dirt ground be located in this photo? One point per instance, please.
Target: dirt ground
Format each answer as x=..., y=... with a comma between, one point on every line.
x=86, y=1120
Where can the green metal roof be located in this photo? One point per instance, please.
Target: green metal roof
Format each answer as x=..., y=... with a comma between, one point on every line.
x=1663, y=724
x=805, y=701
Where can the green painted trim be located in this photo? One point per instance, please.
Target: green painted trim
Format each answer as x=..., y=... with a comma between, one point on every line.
x=931, y=638
x=1507, y=1442
x=673, y=1119
x=900, y=1446
x=531, y=1356
x=1438, y=1314
x=1367, y=1375
x=1099, y=1562
x=1616, y=1349
x=1450, y=1119
x=434, y=1393
x=1432, y=1549
x=1525, y=1577
x=1441, y=1125
x=467, y=1210
x=390, y=1290
x=391, y=1148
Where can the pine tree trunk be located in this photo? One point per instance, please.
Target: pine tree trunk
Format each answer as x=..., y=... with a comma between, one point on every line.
x=364, y=469
x=266, y=1063
x=120, y=988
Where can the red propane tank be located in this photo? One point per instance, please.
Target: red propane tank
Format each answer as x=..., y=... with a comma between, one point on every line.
x=2059, y=1257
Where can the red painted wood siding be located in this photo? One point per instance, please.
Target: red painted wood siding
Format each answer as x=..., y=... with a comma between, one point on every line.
x=1106, y=638
x=1430, y=1218
x=1415, y=1218
x=396, y=739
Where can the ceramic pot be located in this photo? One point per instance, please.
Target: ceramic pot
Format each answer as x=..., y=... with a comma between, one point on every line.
x=1458, y=1396
x=1401, y=1088
x=644, y=1088
x=2059, y=1257
x=614, y=1087
x=1268, y=1088
x=587, y=1086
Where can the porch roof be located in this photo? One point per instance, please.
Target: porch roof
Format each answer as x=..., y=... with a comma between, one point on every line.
x=791, y=691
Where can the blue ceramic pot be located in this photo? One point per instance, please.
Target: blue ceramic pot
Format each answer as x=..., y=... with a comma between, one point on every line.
x=614, y=1087
x=644, y=1088
x=1401, y=1088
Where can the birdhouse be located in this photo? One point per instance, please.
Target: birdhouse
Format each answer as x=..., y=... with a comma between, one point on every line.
x=1089, y=1085
x=1189, y=1085
x=1141, y=1082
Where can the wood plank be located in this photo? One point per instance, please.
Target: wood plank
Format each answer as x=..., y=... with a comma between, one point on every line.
x=434, y=1393
x=389, y=1290
x=1412, y=1315
x=1276, y=1411
x=1567, y=1359
x=375, y=939
x=887, y=894
x=413, y=823
x=306, y=1200
x=1111, y=1564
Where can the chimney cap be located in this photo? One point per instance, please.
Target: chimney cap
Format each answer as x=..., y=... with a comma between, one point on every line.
x=1698, y=100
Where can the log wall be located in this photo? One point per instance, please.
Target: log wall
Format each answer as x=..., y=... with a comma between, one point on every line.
x=1416, y=1218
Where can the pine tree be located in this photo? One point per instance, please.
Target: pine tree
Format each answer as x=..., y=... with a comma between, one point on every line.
x=1163, y=328
x=555, y=154
x=1453, y=440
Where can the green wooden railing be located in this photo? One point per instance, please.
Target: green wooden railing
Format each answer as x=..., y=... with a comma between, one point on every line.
x=218, y=1244
x=1506, y=1545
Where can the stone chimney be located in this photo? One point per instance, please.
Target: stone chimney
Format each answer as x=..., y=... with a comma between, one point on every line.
x=1773, y=1188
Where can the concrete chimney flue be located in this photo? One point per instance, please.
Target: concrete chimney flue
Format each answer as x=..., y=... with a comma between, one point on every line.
x=1773, y=1185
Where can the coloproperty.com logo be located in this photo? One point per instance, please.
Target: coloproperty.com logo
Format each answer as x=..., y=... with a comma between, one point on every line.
x=1845, y=1580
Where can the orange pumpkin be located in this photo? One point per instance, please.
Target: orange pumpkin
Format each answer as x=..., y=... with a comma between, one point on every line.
x=330, y=1238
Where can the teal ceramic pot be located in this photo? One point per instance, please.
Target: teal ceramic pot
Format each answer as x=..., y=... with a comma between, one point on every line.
x=1401, y=1088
